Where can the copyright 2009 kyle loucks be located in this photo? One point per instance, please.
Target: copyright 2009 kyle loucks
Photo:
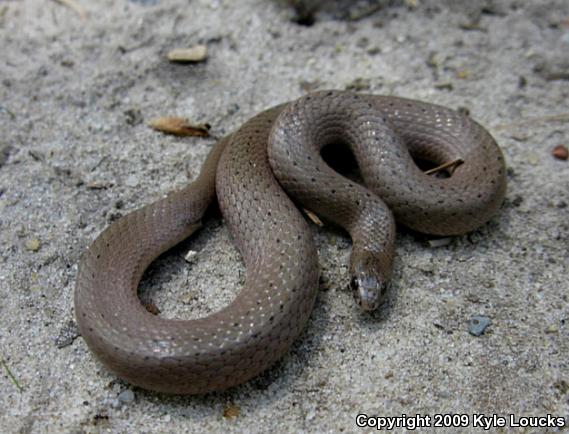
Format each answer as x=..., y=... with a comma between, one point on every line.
x=486, y=422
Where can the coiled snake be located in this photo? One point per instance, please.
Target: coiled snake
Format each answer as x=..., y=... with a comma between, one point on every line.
x=238, y=342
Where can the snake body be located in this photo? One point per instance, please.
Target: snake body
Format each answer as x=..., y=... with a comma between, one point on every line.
x=238, y=342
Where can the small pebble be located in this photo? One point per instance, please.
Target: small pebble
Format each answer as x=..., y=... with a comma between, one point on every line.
x=517, y=201
x=447, y=85
x=359, y=84
x=133, y=116
x=131, y=181
x=533, y=159
x=562, y=386
x=552, y=329
x=472, y=297
x=560, y=152
x=477, y=324
x=439, y=242
x=191, y=256
x=373, y=51
x=126, y=396
x=310, y=415
x=33, y=244
x=434, y=60
x=68, y=333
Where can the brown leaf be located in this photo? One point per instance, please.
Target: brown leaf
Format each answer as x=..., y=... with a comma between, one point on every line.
x=179, y=127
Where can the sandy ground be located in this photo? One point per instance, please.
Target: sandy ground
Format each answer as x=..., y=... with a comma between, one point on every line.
x=76, y=153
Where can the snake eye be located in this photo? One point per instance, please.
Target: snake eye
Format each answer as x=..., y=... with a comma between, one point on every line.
x=354, y=283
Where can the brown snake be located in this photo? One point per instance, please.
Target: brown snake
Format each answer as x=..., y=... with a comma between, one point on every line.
x=241, y=340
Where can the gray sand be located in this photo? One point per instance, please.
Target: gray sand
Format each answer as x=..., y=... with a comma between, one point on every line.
x=76, y=153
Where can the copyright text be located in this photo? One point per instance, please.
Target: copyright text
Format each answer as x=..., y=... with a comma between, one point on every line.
x=388, y=423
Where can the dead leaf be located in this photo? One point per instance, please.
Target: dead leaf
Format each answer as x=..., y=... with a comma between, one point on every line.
x=179, y=127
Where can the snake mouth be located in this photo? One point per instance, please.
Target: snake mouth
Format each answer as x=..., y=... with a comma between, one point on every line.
x=369, y=291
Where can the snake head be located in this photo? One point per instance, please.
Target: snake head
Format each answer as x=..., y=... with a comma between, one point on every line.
x=369, y=291
x=370, y=278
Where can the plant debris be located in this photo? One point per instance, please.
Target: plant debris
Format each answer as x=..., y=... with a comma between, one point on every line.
x=11, y=375
x=231, y=411
x=179, y=127
x=313, y=217
x=76, y=7
x=197, y=53
x=439, y=242
x=450, y=166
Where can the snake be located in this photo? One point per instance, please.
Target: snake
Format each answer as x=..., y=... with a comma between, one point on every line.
x=262, y=175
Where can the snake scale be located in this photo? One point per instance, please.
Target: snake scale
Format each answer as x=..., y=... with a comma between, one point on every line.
x=284, y=143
